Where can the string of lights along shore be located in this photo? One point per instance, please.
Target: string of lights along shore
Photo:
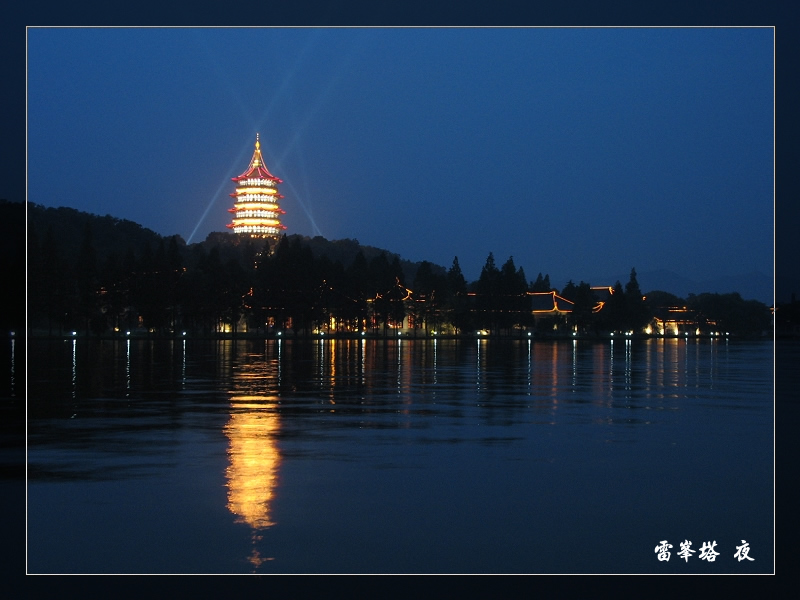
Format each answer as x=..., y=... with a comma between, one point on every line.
x=256, y=210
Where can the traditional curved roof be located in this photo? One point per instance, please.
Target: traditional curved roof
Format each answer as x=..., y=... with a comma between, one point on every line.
x=257, y=169
x=549, y=302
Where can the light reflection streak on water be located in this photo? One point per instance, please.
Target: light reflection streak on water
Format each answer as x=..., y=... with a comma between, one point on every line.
x=128, y=368
x=399, y=366
x=611, y=366
x=479, y=366
x=12, y=366
x=713, y=350
x=74, y=368
x=600, y=387
x=280, y=361
x=574, y=364
x=435, y=362
x=332, y=377
x=679, y=372
x=530, y=368
x=348, y=365
x=628, y=350
x=318, y=357
x=363, y=360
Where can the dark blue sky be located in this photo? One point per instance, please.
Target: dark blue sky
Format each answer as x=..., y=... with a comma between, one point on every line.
x=582, y=152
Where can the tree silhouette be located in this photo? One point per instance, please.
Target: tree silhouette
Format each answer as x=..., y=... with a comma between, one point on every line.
x=487, y=292
x=50, y=290
x=456, y=304
x=569, y=291
x=87, y=284
x=542, y=284
x=635, y=306
x=729, y=313
x=398, y=294
x=357, y=291
x=613, y=316
x=425, y=288
x=513, y=303
x=584, y=302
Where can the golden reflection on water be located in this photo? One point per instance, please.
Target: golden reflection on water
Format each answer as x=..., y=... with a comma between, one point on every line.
x=253, y=464
x=254, y=460
x=253, y=456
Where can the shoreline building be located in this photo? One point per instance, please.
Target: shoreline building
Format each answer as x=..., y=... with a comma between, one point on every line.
x=256, y=206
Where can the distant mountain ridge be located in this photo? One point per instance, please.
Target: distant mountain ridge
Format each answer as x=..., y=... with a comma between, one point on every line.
x=750, y=286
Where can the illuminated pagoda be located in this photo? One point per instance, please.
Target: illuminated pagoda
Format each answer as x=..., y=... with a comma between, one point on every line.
x=255, y=209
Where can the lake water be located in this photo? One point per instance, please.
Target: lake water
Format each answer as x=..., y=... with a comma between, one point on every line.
x=398, y=456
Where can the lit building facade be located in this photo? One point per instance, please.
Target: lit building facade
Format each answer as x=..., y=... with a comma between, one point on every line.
x=256, y=210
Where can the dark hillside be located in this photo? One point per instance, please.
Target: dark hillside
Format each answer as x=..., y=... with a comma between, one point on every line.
x=345, y=251
x=342, y=251
x=109, y=234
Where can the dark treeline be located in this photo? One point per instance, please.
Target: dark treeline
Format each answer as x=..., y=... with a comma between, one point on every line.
x=99, y=275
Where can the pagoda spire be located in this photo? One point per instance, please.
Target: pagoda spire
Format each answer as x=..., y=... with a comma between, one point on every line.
x=258, y=167
x=257, y=159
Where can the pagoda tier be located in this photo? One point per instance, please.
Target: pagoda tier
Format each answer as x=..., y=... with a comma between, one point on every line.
x=256, y=209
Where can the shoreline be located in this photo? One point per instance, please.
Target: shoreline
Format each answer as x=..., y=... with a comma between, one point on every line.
x=404, y=336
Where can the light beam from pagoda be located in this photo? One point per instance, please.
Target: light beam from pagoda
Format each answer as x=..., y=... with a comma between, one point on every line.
x=223, y=185
x=295, y=194
x=299, y=130
x=297, y=197
x=205, y=213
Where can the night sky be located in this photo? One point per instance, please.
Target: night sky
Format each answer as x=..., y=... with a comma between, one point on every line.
x=581, y=152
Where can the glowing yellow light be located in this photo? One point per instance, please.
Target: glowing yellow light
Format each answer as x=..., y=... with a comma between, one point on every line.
x=256, y=222
x=257, y=205
x=256, y=190
x=255, y=208
x=254, y=461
